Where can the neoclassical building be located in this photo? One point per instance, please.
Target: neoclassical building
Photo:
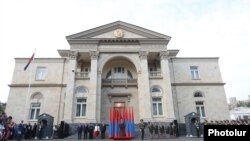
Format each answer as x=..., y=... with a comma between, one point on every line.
x=117, y=65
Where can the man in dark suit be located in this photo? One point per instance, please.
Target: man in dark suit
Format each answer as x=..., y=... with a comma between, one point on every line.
x=79, y=131
x=85, y=131
x=103, y=130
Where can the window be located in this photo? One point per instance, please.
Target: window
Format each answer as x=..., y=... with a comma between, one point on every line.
x=195, y=72
x=119, y=73
x=86, y=69
x=40, y=73
x=81, y=90
x=34, y=111
x=157, y=106
x=200, y=109
x=198, y=94
x=81, y=107
x=156, y=91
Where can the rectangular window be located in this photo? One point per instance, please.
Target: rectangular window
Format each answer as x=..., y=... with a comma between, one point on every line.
x=40, y=73
x=194, y=72
x=157, y=106
x=81, y=107
x=34, y=111
x=200, y=109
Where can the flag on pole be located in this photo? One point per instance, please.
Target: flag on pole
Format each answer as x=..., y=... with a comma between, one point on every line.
x=30, y=60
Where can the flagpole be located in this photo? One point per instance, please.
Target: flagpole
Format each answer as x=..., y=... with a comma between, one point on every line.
x=26, y=117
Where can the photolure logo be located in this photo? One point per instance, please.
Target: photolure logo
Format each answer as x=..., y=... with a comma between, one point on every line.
x=226, y=132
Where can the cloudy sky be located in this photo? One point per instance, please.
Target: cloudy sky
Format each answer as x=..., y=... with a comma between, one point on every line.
x=199, y=28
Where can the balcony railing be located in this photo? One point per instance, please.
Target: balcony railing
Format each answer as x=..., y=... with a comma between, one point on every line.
x=155, y=74
x=119, y=82
x=82, y=75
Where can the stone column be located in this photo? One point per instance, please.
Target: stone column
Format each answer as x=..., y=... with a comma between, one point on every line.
x=92, y=97
x=167, y=97
x=144, y=89
x=69, y=98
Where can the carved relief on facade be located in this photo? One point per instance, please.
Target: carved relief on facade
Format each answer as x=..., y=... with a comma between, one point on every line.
x=94, y=55
x=143, y=54
x=73, y=54
x=164, y=55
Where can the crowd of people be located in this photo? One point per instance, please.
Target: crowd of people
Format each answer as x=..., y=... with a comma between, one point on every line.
x=91, y=131
x=11, y=130
x=158, y=130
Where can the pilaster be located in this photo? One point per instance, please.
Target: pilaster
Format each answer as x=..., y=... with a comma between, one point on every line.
x=92, y=98
x=143, y=88
x=69, y=109
x=167, y=92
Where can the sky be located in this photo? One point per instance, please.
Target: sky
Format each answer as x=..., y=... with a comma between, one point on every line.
x=199, y=28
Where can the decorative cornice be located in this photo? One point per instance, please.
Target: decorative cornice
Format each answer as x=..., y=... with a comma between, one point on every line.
x=37, y=85
x=143, y=55
x=94, y=54
x=197, y=84
x=63, y=53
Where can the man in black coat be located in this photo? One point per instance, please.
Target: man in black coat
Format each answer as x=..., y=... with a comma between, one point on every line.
x=103, y=130
x=85, y=131
x=79, y=131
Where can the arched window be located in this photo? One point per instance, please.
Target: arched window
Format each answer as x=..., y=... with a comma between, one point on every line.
x=81, y=101
x=156, y=95
x=35, y=106
x=198, y=94
x=81, y=90
x=155, y=90
x=36, y=96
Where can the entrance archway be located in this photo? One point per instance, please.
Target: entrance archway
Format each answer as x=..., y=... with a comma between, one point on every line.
x=118, y=85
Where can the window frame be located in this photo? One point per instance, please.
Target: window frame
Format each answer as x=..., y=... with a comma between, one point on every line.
x=43, y=70
x=81, y=107
x=157, y=103
x=37, y=109
x=195, y=74
x=199, y=108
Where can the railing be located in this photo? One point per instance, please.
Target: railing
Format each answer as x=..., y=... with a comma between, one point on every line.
x=83, y=75
x=155, y=73
x=119, y=82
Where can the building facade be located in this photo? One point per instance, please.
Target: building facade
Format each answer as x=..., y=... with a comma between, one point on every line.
x=117, y=65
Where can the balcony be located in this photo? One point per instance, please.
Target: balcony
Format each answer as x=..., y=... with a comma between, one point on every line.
x=119, y=82
x=82, y=75
x=155, y=74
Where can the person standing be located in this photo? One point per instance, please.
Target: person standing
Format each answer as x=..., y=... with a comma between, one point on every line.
x=20, y=131
x=142, y=127
x=96, y=130
x=151, y=129
x=197, y=126
x=156, y=129
x=79, y=131
x=85, y=131
x=103, y=130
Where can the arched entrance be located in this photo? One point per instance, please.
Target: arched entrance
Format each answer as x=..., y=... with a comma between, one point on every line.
x=118, y=86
